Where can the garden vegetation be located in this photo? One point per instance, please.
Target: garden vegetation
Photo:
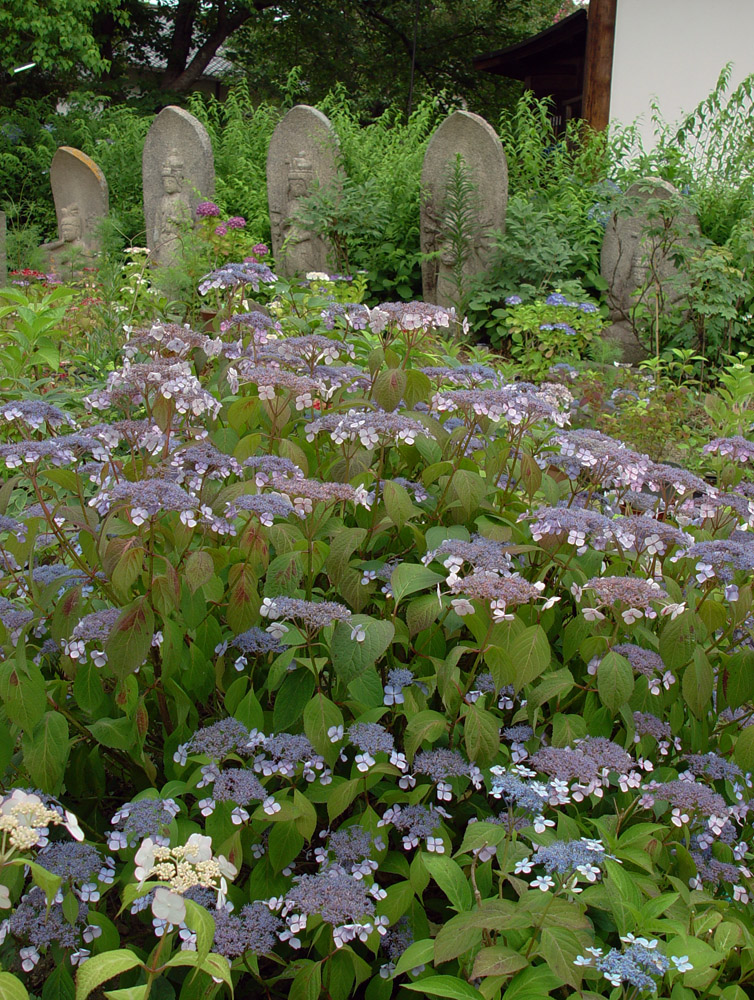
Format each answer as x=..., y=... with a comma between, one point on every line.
x=342, y=657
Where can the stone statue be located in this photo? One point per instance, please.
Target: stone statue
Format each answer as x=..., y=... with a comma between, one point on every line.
x=467, y=146
x=173, y=217
x=178, y=172
x=70, y=225
x=302, y=153
x=79, y=190
x=298, y=245
x=633, y=260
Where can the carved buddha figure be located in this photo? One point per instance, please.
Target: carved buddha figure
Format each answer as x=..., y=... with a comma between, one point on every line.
x=298, y=243
x=70, y=224
x=174, y=211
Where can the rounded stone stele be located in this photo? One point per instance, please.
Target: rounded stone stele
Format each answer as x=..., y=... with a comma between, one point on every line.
x=627, y=251
x=79, y=190
x=178, y=171
x=302, y=154
x=475, y=140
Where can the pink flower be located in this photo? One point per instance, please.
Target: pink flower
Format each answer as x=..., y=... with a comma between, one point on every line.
x=221, y=230
x=207, y=209
x=236, y=222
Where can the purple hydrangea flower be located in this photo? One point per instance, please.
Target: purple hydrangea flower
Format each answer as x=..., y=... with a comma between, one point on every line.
x=559, y=326
x=207, y=209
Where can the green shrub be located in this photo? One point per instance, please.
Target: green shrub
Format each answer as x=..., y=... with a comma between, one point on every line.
x=112, y=135
x=548, y=330
x=442, y=696
x=383, y=160
x=240, y=134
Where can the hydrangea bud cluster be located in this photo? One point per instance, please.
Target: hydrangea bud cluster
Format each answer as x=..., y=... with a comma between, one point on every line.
x=645, y=662
x=372, y=428
x=440, y=765
x=639, y=965
x=519, y=404
x=305, y=493
x=736, y=448
x=417, y=823
x=339, y=899
x=250, y=273
x=350, y=848
x=634, y=597
x=170, y=338
x=586, y=769
x=483, y=554
x=25, y=819
x=182, y=868
x=408, y=316
x=35, y=415
x=141, y=819
x=353, y=315
x=44, y=927
x=312, y=615
x=500, y=592
x=567, y=861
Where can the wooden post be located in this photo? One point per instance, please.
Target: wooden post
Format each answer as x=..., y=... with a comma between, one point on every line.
x=598, y=69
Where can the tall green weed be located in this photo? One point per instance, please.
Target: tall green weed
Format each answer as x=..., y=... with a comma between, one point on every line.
x=708, y=154
x=240, y=134
x=385, y=158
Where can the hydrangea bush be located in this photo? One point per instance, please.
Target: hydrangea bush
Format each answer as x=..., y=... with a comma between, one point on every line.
x=332, y=669
x=545, y=329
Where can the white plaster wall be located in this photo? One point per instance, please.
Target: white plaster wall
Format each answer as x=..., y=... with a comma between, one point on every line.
x=674, y=50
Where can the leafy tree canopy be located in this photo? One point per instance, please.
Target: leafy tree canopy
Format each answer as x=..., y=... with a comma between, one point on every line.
x=383, y=51
x=57, y=35
x=370, y=46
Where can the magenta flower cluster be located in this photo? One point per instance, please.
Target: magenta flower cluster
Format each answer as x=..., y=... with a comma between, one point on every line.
x=209, y=210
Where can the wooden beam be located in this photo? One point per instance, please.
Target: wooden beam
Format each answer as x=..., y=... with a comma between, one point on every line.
x=598, y=70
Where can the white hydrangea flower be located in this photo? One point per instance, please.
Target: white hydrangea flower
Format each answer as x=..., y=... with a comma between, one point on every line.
x=169, y=906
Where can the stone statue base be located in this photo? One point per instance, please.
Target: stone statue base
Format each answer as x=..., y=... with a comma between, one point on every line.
x=622, y=335
x=67, y=261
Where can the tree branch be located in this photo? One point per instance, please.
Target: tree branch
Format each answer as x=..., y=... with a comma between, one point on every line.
x=180, y=45
x=369, y=10
x=187, y=75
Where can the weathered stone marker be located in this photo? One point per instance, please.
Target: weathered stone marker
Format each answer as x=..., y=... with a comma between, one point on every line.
x=464, y=153
x=302, y=154
x=79, y=190
x=637, y=255
x=178, y=171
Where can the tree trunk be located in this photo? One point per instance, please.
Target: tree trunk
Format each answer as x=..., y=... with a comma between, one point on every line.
x=180, y=46
x=181, y=74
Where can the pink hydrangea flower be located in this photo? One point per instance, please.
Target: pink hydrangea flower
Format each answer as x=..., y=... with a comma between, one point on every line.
x=207, y=209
